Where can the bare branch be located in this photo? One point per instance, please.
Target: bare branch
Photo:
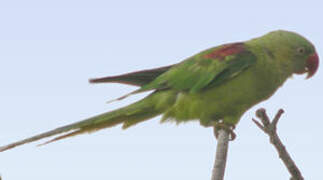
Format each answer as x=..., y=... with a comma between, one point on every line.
x=221, y=153
x=269, y=127
x=277, y=117
x=258, y=124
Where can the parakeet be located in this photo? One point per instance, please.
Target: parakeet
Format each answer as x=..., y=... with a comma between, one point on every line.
x=217, y=85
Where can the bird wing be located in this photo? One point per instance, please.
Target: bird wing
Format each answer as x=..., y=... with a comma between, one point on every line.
x=138, y=78
x=208, y=68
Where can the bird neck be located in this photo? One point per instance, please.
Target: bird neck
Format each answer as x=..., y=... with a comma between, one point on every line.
x=271, y=55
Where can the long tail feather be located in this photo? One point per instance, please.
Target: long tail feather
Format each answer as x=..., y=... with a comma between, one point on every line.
x=74, y=133
x=53, y=132
x=129, y=115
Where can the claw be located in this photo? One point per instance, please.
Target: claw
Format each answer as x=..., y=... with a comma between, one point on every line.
x=227, y=127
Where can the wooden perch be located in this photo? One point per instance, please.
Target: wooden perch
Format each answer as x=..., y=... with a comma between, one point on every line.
x=270, y=128
x=221, y=153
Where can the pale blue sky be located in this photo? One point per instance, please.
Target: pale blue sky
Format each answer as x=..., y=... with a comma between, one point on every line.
x=49, y=49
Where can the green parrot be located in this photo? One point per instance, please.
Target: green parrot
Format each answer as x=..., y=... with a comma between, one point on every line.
x=215, y=87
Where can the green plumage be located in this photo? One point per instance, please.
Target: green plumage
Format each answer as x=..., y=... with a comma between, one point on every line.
x=220, y=83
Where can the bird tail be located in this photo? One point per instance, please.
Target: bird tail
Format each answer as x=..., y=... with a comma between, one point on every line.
x=130, y=115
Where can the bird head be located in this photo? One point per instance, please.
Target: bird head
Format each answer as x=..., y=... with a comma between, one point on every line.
x=299, y=52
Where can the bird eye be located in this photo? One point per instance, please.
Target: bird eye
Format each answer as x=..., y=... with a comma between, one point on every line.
x=301, y=50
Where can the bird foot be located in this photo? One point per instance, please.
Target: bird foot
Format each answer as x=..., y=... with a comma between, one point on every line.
x=227, y=127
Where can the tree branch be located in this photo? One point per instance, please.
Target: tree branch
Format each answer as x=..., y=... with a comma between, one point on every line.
x=221, y=154
x=270, y=128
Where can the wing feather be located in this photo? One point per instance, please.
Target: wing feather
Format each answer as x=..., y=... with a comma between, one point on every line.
x=208, y=68
x=138, y=78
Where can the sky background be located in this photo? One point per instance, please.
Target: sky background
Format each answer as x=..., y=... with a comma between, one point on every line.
x=49, y=50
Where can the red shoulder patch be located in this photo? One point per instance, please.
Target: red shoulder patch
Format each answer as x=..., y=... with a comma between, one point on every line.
x=226, y=50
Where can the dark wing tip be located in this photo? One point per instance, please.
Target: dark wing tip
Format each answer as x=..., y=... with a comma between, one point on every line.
x=99, y=80
x=92, y=81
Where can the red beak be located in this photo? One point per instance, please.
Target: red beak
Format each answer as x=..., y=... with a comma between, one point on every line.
x=312, y=64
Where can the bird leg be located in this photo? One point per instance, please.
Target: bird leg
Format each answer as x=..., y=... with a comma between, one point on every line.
x=227, y=127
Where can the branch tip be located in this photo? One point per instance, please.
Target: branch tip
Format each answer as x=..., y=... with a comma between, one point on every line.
x=277, y=117
x=258, y=124
x=269, y=127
